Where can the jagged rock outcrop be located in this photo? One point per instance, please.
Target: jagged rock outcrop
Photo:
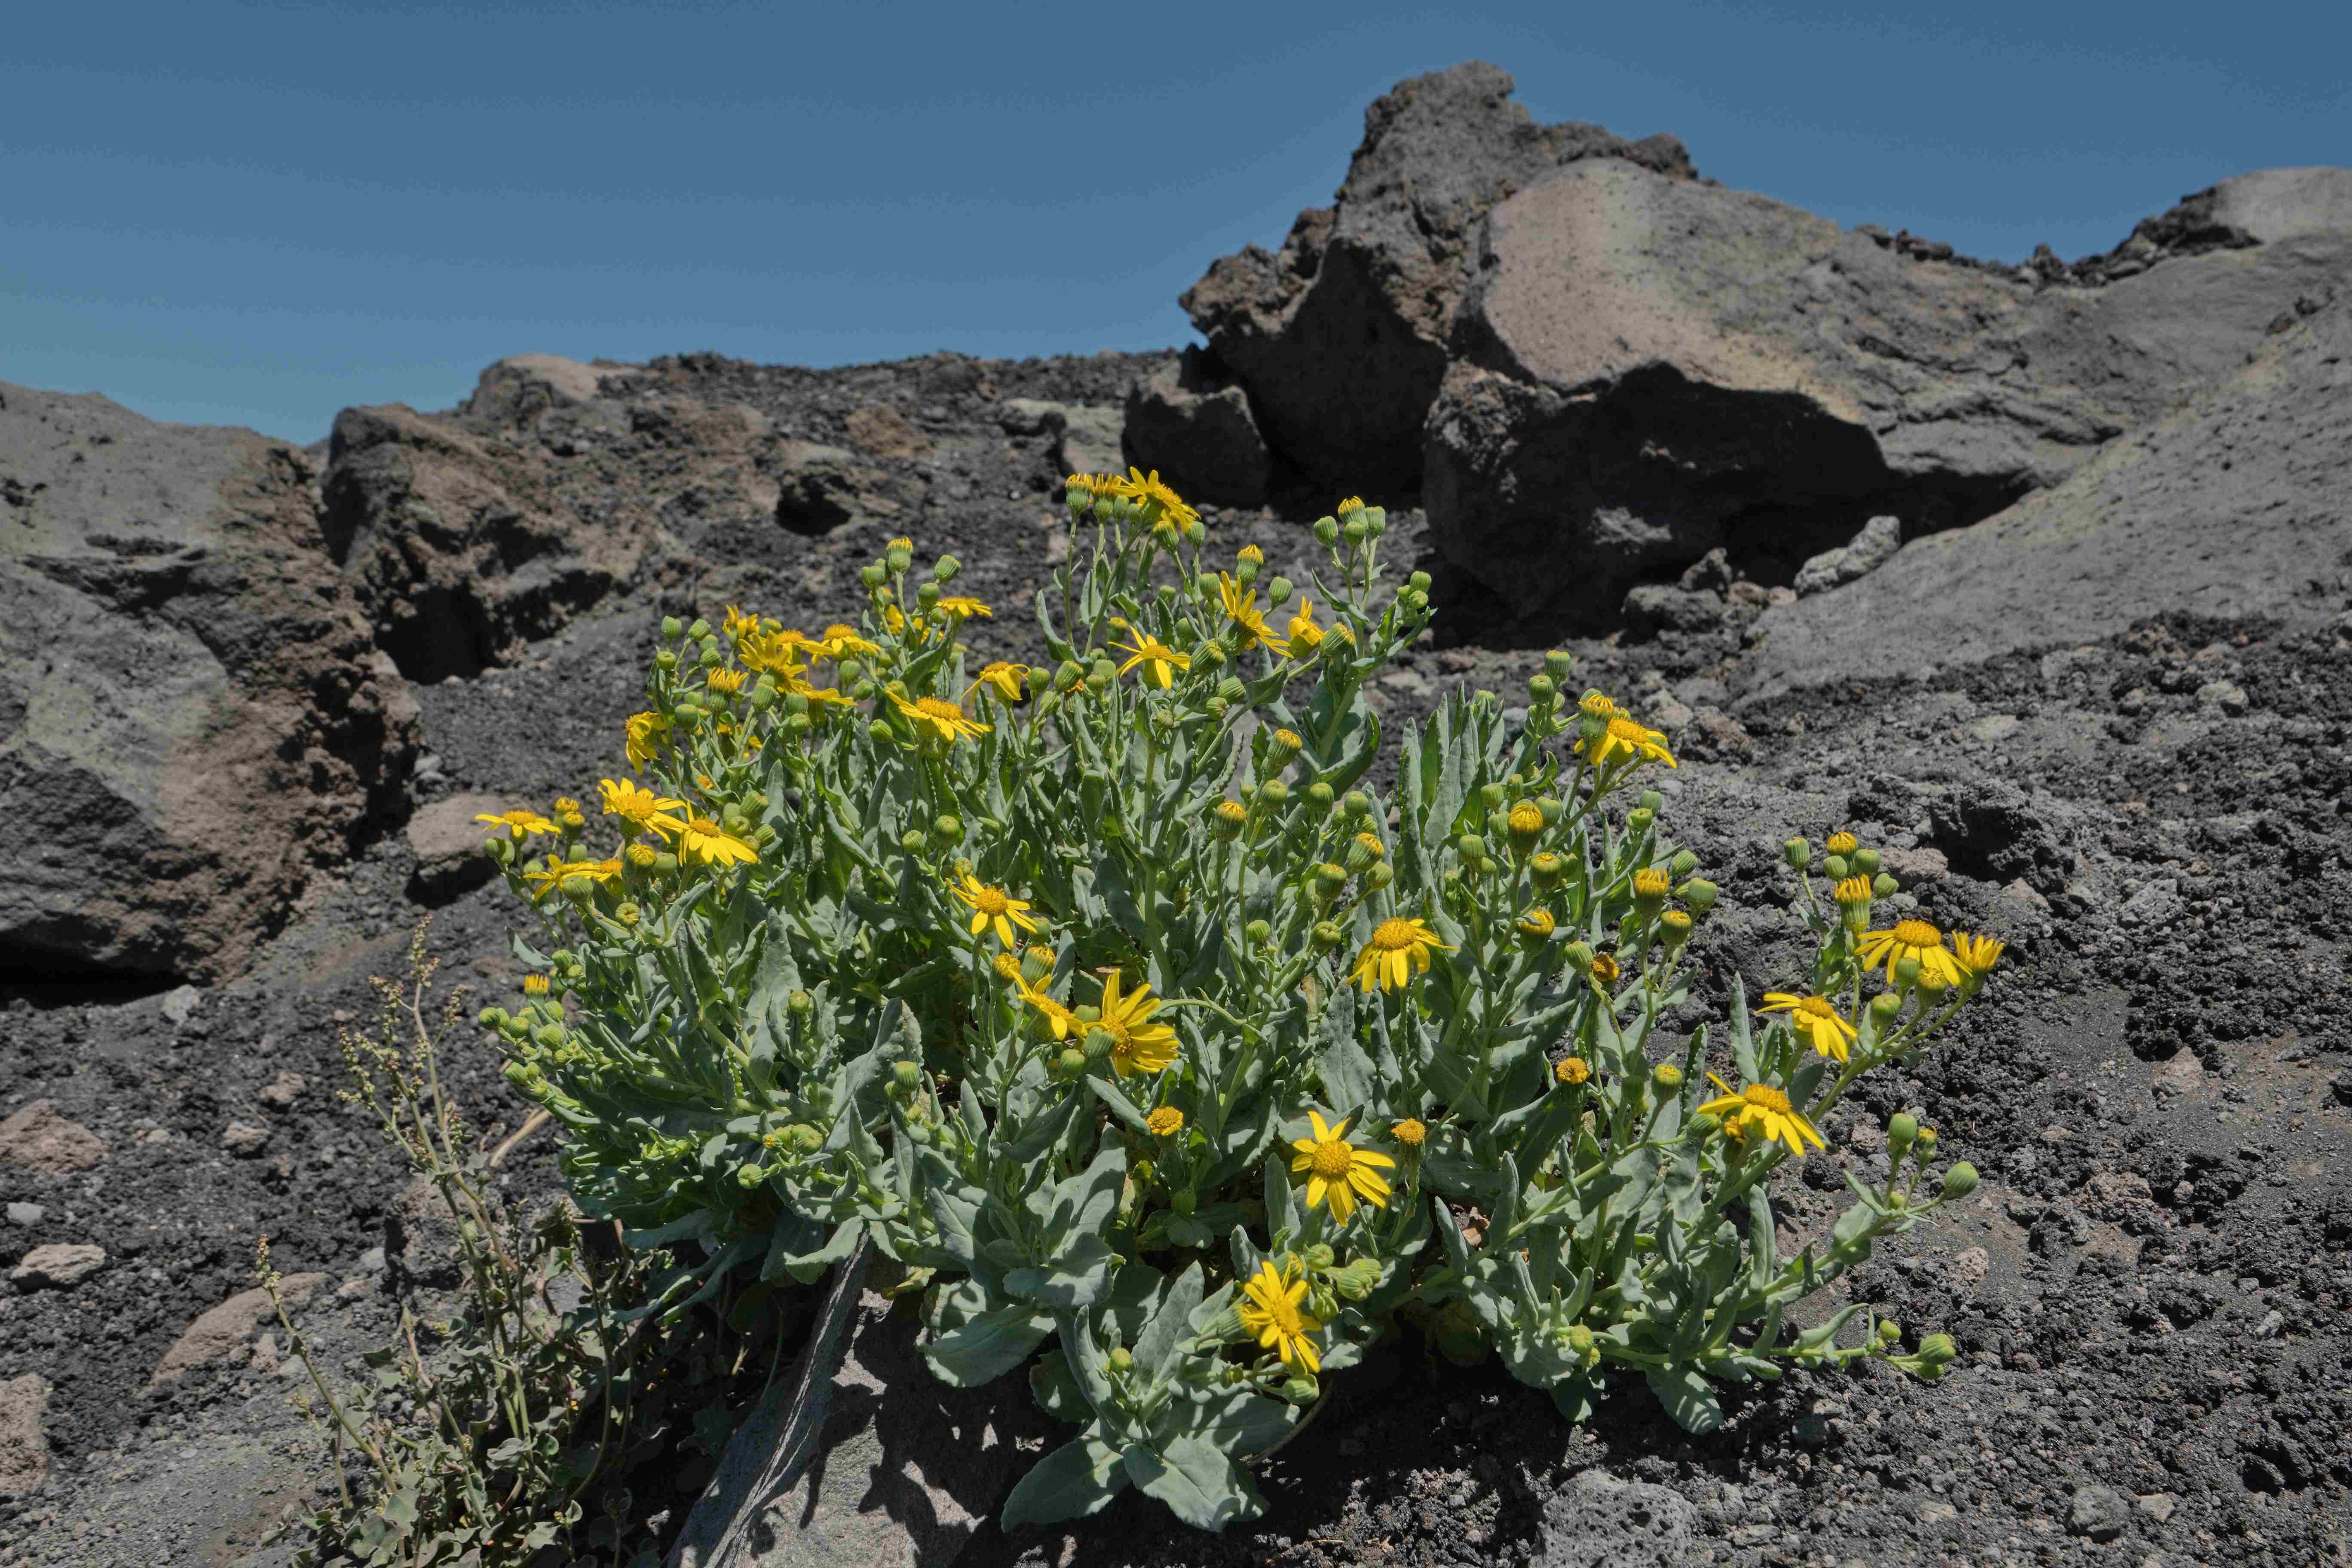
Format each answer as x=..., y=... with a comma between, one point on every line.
x=1341, y=336
x=1646, y=368
x=193, y=717
x=1191, y=421
x=2239, y=504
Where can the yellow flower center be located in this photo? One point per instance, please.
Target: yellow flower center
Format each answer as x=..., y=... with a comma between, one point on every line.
x=1650, y=883
x=939, y=708
x=1765, y=1095
x=1122, y=1044
x=1816, y=1007
x=1282, y=1314
x=1917, y=933
x=1409, y=1132
x=1333, y=1161
x=1628, y=731
x=1395, y=936
x=1166, y=1121
x=1527, y=818
x=989, y=901
x=703, y=824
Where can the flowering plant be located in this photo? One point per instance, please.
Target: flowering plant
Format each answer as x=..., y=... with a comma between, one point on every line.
x=1166, y=1058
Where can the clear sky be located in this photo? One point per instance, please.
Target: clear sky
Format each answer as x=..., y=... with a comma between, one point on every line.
x=259, y=213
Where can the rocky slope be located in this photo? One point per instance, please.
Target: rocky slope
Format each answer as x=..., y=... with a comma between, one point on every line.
x=250, y=697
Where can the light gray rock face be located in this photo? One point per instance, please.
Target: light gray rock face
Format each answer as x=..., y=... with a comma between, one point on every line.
x=175, y=652
x=1646, y=368
x=24, y=1448
x=1341, y=336
x=446, y=840
x=225, y=1335
x=38, y=1137
x=61, y=1266
x=1600, y=1522
x=2236, y=505
x=1191, y=421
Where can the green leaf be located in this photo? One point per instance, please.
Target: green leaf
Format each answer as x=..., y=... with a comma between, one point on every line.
x=1076, y=1277
x=1073, y=1481
x=1689, y=1398
x=1245, y=1423
x=1199, y=1486
x=988, y=1346
x=1058, y=1390
x=1155, y=1348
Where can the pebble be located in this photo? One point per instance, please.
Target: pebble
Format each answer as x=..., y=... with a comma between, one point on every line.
x=283, y=1090
x=245, y=1140
x=2158, y=1506
x=2100, y=1512
x=26, y=1215
x=61, y=1264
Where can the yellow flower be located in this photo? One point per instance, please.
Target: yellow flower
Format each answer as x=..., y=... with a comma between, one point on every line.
x=1165, y=1123
x=994, y=904
x=1627, y=738
x=1338, y=1172
x=521, y=823
x=1138, y=1045
x=1767, y=1110
x=1409, y=1132
x=1596, y=705
x=739, y=625
x=961, y=607
x=1604, y=969
x=534, y=985
x=1909, y=939
x=1271, y=1310
x=641, y=808
x=1163, y=508
x=840, y=641
x=1855, y=890
x=1250, y=553
x=820, y=696
x=725, y=680
x=1159, y=661
x=1349, y=504
x=1976, y=954
x=1841, y=844
x=1009, y=681
x=1572, y=1070
x=1652, y=882
x=647, y=733
x=778, y=651
x=1398, y=949
x=703, y=839
x=1305, y=636
x=1536, y=924
x=1063, y=1022
x=1816, y=1021
x=1241, y=609
x=938, y=717
x=555, y=873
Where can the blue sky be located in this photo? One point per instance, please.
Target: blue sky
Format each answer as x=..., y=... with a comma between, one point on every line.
x=257, y=214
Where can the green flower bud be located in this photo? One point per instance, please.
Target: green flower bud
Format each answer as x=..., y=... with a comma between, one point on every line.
x=1885, y=886
x=945, y=568
x=1491, y=795
x=1379, y=876
x=1122, y=1360
x=800, y=1003
x=1184, y=1200
x=1834, y=867
x=1885, y=1006
x=1470, y=846
x=1318, y=800
x=1356, y=533
x=906, y=1074
x=1070, y=1063
x=672, y=628
x=1700, y=895
x=914, y=841
x=1907, y=972
x=1320, y=1257
x=1703, y=1126
x=1552, y=807
x=1959, y=1180
x=1578, y=956
x=1100, y=1043
x=1559, y=664
x=1274, y=793
x=1938, y=1352
x=499, y=848
x=1357, y=805
x=1666, y=1076
x=1067, y=675
x=897, y=557
x=1682, y=863
x=1542, y=689
x=492, y=1017
x=665, y=660
x=928, y=594
x=1230, y=690
x=1547, y=870
x=1326, y=531
x=1889, y=1332
x=1865, y=861
x=1258, y=933
x=1278, y=592
x=950, y=827
x=1797, y=853
x=1418, y=583
x=1639, y=821
x=1926, y=1147
x=1902, y=1128
x=550, y=1037
x=1651, y=801
x=1328, y=937
x=1301, y=1389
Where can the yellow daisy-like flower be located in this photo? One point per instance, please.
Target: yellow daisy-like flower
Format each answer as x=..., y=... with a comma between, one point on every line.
x=555, y=873
x=1976, y=954
x=1816, y=1021
x=646, y=733
x=729, y=681
x=1159, y=661
x=940, y=718
x=1412, y=1132
x=1398, y=949
x=1604, y=969
x=1841, y=844
x=1009, y=681
x=1909, y=939
x=701, y=838
x=1305, y=636
x=963, y=607
x=1629, y=739
x=738, y=626
x=640, y=808
x=1652, y=882
x=1270, y=1308
x=1572, y=1070
x=1241, y=609
x=818, y=697
x=1339, y=1173
x=1163, y=508
x=781, y=652
x=534, y=985
x=1138, y=1045
x=521, y=823
x=1165, y=1123
x=1060, y=1019
x=1761, y=1107
x=994, y=905
x=842, y=641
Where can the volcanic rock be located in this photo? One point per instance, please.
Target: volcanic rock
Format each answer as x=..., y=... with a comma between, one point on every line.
x=821, y=487
x=225, y=1336
x=1873, y=547
x=1340, y=337
x=24, y=1448
x=1191, y=421
x=60, y=1265
x=2233, y=506
x=1645, y=368
x=192, y=720
x=39, y=1139
x=447, y=843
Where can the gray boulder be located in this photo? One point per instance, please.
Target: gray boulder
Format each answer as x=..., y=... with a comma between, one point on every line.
x=1646, y=368
x=1341, y=336
x=1599, y=1520
x=1873, y=547
x=192, y=722
x=2235, y=505
x=1191, y=421
x=820, y=488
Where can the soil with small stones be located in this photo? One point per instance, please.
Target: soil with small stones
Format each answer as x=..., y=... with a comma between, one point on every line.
x=2152, y=1290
